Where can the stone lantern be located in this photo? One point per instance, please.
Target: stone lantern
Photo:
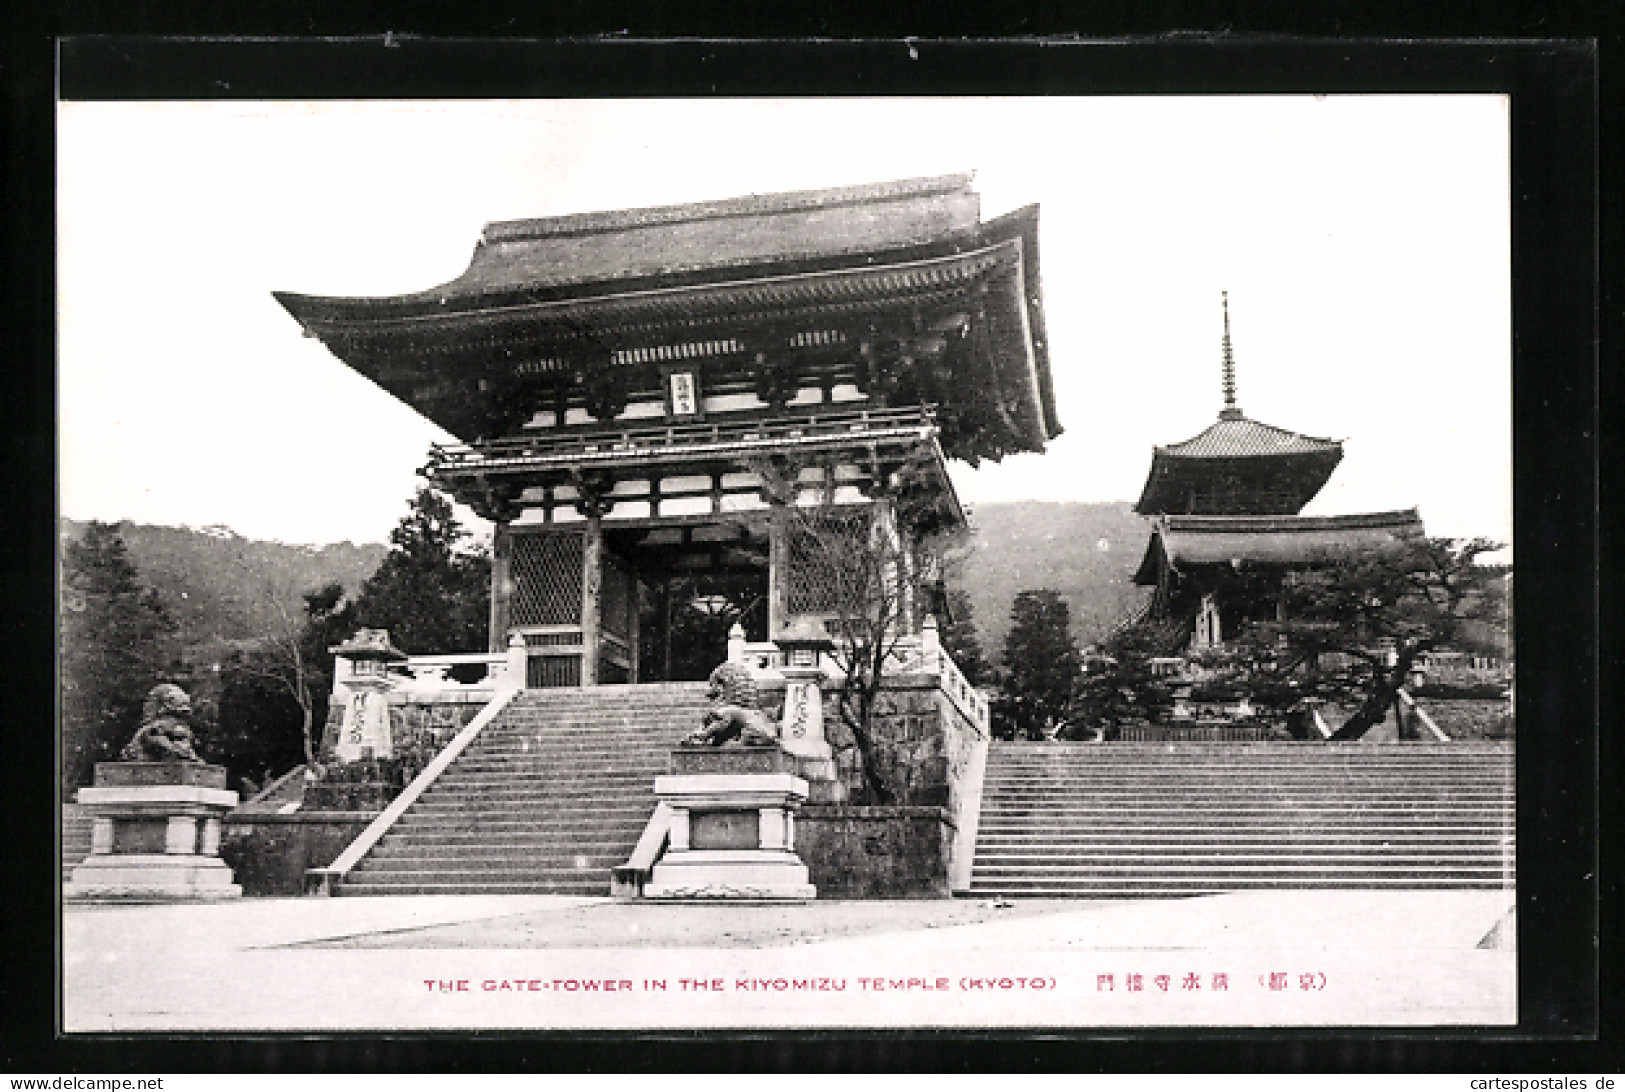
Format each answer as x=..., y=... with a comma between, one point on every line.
x=361, y=682
x=801, y=729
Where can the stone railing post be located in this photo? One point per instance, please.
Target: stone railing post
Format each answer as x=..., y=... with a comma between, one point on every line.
x=736, y=644
x=518, y=660
x=930, y=640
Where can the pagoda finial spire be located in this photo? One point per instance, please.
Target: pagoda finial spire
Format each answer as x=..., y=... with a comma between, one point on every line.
x=1230, y=409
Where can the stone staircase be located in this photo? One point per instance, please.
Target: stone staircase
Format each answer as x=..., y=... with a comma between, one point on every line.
x=546, y=800
x=75, y=838
x=1099, y=820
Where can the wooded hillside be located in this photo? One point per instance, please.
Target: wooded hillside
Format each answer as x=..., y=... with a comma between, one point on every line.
x=216, y=584
x=222, y=589
x=1087, y=552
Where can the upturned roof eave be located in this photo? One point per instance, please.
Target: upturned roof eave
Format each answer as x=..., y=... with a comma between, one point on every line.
x=1162, y=484
x=456, y=298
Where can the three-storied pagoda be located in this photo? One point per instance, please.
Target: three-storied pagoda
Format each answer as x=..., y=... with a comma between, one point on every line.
x=1228, y=500
x=642, y=397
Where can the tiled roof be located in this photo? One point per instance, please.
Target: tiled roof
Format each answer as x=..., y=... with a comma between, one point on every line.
x=1240, y=437
x=713, y=236
x=1276, y=540
x=646, y=279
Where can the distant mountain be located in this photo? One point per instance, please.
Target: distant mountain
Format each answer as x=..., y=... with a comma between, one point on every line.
x=1087, y=552
x=216, y=583
x=223, y=590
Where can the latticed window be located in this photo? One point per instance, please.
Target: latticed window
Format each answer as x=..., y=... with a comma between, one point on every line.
x=547, y=579
x=830, y=560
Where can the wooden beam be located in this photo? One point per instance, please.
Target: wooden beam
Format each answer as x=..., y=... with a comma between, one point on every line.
x=501, y=587
x=592, y=596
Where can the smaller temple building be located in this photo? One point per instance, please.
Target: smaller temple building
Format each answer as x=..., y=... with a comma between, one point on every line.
x=1225, y=507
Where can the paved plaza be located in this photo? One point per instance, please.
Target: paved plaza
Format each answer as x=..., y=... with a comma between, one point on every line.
x=1269, y=958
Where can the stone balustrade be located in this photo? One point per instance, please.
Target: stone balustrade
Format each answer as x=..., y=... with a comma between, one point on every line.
x=920, y=653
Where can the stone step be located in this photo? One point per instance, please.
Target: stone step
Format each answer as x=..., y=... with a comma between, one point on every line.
x=550, y=788
x=602, y=841
x=1207, y=764
x=1273, y=836
x=1004, y=779
x=1260, y=796
x=595, y=877
x=1075, y=812
x=1108, y=889
x=507, y=824
x=1185, y=872
x=1224, y=856
x=454, y=868
x=1219, y=772
x=489, y=769
x=1187, y=818
x=555, y=847
x=563, y=857
x=547, y=799
x=619, y=811
x=583, y=888
x=76, y=825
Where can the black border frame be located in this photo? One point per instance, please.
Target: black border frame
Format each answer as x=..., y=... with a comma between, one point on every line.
x=1557, y=100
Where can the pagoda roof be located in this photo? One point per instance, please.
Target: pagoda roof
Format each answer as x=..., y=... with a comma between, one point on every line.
x=1183, y=542
x=1240, y=437
x=1238, y=466
x=537, y=291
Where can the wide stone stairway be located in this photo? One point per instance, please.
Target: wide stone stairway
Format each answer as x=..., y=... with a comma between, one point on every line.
x=546, y=800
x=75, y=838
x=1150, y=819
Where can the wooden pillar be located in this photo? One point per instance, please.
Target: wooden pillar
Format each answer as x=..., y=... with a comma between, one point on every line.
x=634, y=620
x=666, y=606
x=906, y=606
x=592, y=594
x=778, y=567
x=501, y=586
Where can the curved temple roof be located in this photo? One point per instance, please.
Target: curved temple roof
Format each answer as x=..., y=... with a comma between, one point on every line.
x=1238, y=466
x=1180, y=542
x=537, y=291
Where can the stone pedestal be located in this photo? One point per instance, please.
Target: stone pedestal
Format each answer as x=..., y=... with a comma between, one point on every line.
x=801, y=729
x=155, y=834
x=365, y=732
x=732, y=833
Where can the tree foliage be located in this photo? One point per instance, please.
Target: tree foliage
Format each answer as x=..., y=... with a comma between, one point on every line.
x=872, y=564
x=1121, y=684
x=960, y=637
x=118, y=641
x=1042, y=668
x=1358, y=625
x=1354, y=629
x=430, y=592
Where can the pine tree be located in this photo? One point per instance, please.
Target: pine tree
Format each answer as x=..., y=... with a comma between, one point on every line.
x=1042, y=667
x=1356, y=627
x=960, y=637
x=431, y=594
x=118, y=642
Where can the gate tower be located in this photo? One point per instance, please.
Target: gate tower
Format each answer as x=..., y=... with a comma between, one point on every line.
x=643, y=398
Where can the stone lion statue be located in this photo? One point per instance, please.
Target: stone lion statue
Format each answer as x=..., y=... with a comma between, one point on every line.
x=164, y=735
x=735, y=712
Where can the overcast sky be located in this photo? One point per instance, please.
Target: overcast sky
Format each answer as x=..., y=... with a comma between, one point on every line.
x=1363, y=241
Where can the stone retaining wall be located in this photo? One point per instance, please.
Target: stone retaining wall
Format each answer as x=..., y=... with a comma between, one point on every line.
x=270, y=853
x=876, y=853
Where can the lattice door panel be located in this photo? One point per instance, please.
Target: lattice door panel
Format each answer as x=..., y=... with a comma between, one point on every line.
x=828, y=559
x=547, y=671
x=547, y=579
